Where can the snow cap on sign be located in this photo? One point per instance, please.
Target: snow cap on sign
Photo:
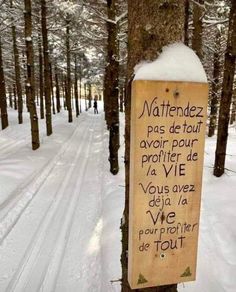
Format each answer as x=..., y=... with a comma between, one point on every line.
x=177, y=62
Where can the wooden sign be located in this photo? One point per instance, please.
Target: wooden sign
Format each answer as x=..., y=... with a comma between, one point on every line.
x=167, y=146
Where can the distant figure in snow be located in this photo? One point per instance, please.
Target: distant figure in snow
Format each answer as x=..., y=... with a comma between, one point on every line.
x=95, y=105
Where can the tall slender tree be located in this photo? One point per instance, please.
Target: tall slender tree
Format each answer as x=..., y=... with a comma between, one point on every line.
x=41, y=83
x=80, y=86
x=30, y=82
x=198, y=12
x=47, y=85
x=233, y=112
x=17, y=70
x=51, y=88
x=76, y=88
x=186, y=21
x=15, y=99
x=58, y=103
x=112, y=84
x=3, y=97
x=89, y=94
x=68, y=80
x=151, y=25
x=226, y=95
x=85, y=96
x=10, y=97
x=215, y=86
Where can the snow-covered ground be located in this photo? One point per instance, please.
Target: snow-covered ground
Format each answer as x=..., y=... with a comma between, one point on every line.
x=60, y=208
x=216, y=269
x=60, y=211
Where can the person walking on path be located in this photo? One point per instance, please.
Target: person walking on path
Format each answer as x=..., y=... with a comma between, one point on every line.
x=95, y=105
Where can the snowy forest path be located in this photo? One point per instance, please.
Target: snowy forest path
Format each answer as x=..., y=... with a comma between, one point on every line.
x=55, y=212
x=14, y=205
x=30, y=184
x=15, y=139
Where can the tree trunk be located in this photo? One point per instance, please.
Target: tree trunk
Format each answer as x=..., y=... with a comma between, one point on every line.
x=51, y=87
x=145, y=44
x=17, y=71
x=215, y=88
x=229, y=70
x=186, y=19
x=46, y=68
x=105, y=98
x=30, y=83
x=80, y=92
x=15, y=98
x=233, y=113
x=198, y=28
x=10, y=97
x=89, y=95
x=112, y=83
x=76, y=89
x=37, y=94
x=65, y=93
x=58, y=103
x=85, y=96
x=122, y=100
x=3, y=97
x=41, y=87
x=68, y=83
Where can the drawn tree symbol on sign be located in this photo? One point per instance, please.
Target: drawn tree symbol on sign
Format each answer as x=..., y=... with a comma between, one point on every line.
x=141, y=279
x=187, y=273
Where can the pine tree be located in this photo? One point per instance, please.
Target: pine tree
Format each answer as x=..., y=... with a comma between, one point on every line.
x=68, y=81
x=233, y=112
x=186, y=21
x=30, y=83
x=58, y=103
x=226, y=95
x=47, y=85
x=198, y=9
x=17, y=70
x=76, y=88
x=112, y=83
x=41, y=83
x=3, y=97
x=215, y=87
x=51, y=88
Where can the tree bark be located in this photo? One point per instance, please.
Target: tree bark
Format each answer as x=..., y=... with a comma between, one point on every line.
x=15, y=98
x=85, y=96
x=112, y=85
x=152, y=24
x=233, y=112
x=198, y=28
x=3, y=97
x=121, y=100
x=186, y=19
x=17, y=71
x=41, y=85
x=76, y=89
x=68, y=83
x=80, y=89
x=47, y=86
x=51, y=87
x=10, y=97
x=215, y=88
x=30, y=83
x=58, y=103
x=89, y=95
x=224, y=114
x=65, y=93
